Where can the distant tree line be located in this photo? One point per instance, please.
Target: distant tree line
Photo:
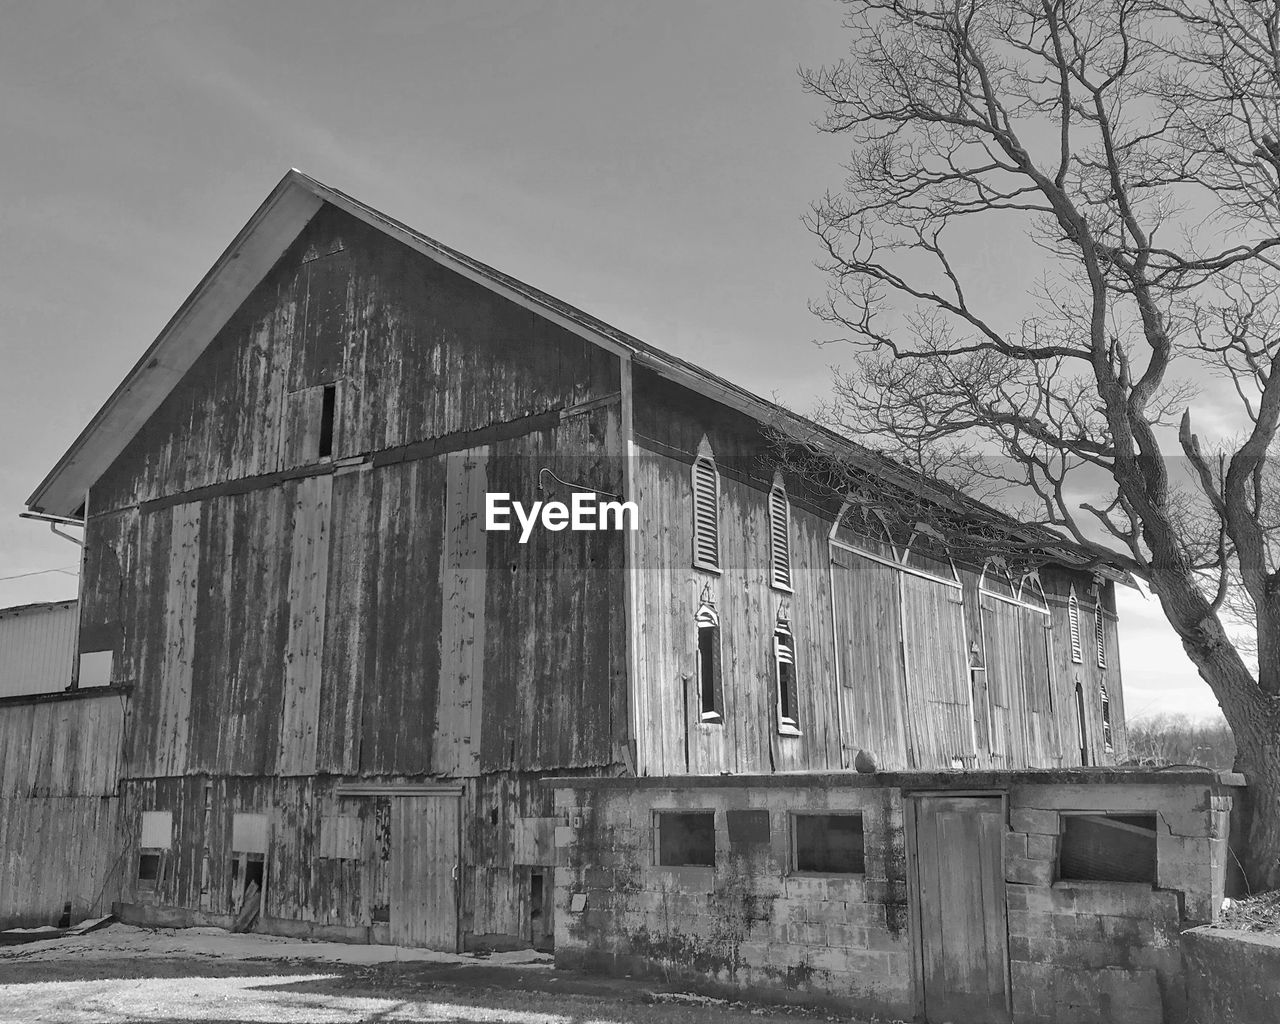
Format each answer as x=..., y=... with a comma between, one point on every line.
x=1179, y=739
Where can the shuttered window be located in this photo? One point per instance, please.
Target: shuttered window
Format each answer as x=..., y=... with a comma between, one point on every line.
x=1073, y=616
x=784, y=659
x=779, y=537
x=710, y=687
x=706, y=511
x=1106, y=716
x=1100, y=637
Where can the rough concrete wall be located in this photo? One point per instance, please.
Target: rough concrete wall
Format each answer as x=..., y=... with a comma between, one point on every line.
x=1232, y=977
x=1108, y=952
x=746, y=925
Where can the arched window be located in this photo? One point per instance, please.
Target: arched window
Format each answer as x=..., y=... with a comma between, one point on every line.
x=1100, y=635
x=1081, y=719
x=784, y=660
x=1073, y=617
x=710, y=688
x=779, y=536
x=706, y=510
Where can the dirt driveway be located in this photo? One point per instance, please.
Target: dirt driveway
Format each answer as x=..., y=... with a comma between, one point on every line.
x=123, y=974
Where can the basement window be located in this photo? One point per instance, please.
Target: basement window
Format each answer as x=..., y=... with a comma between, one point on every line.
x=154, y=840
x=686, y=839
x=710, y=684
x=1112, y=847
x=328, y=403
x=149, y=866
x=827, y=844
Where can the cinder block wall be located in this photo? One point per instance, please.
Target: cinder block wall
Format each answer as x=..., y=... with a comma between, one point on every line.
x=746, y=926
x=1080, y=952
x=1106, y=952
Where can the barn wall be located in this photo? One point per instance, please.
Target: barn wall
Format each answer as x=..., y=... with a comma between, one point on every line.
x=59, y=769
x=883, y=655
x=289, y=622
x=330, y=858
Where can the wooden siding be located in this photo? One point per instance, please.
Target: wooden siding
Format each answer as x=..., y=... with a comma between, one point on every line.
x=884, y=649
x=59, y=768
x=308, y=885
x=673, y=739
x=868, y=636
x=281, y=613
x=418, y=352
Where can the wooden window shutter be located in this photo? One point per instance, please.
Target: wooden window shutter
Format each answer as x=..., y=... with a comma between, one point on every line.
x=706, y=511
x=1073, y=616
x=779, y=537
x=1101, y=637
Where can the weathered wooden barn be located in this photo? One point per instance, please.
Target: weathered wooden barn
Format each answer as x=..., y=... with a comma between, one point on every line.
x=339, y=686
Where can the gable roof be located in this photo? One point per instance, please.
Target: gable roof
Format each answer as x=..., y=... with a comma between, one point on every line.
x=259, y=245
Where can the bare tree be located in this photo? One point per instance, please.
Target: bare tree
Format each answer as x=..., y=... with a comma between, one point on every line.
x=1133, y=144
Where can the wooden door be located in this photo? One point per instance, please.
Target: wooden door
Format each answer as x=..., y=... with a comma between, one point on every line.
x=425, y=844
x=961, y=896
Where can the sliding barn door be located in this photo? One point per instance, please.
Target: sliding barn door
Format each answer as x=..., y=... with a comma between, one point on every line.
x=868, y=627
x=937, y=672
x=425, y=847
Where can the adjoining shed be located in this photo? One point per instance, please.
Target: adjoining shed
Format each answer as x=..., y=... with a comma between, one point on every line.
x=1026, y=896
x=38, y=647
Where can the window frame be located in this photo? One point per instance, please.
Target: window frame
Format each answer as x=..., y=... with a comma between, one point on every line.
x=705, y=460
x=787, y=725
x=1073, y=623
x=657, y=816
x=1064, y=816
x=779, y=508
x=793, y=867
x=708, y=620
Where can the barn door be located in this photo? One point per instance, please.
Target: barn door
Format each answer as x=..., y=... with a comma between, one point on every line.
x=960, y=892
x=425, y=844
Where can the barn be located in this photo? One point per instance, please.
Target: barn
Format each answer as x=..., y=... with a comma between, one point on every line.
x=343, y=687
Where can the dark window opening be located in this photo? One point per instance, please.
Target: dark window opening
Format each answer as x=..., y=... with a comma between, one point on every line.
x=540, y=925
x=1080, y=726
x=784, y=656
x=1106, y=718
x=710, y=689
x=686, y=839
x=149, y=867
x=1108, y=848
x=328, y=401
x=828, y=843
x=248, y=875
x=747, y=829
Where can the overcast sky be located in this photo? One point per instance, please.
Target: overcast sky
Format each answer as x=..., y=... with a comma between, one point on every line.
x=648, y=162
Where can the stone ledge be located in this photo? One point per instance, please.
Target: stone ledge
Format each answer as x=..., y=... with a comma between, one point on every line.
x=1233, y=977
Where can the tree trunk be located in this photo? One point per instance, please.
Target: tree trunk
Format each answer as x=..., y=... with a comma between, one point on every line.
x=1258, y=757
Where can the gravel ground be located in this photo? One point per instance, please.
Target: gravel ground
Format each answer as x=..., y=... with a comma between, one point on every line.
x=123, y=974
